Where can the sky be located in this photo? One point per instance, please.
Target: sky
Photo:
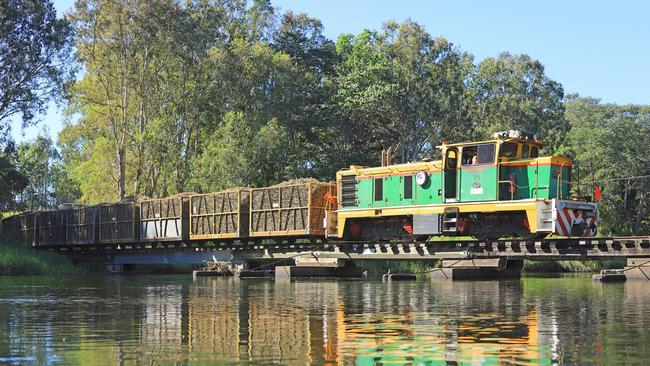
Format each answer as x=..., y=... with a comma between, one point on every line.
x=595, y=48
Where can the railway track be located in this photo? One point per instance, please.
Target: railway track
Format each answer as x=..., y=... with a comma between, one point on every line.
x=549, y=249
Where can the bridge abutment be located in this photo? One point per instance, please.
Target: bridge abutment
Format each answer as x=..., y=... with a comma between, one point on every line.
x=478, y=269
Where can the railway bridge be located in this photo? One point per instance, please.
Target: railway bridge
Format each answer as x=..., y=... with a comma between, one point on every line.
x=499, y=187
x=458, y=258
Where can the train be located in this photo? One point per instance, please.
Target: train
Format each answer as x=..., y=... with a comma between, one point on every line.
x=486, y=190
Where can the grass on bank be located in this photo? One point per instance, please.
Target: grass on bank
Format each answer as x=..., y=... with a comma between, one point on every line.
x=17, y=260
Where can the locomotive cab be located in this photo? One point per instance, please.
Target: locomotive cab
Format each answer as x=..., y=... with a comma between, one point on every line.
x=487, y=189
x=508, y=167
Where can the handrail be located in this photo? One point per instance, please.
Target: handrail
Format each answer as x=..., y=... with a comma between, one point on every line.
x=537, y=180
x=443, y=178
x=577, y=170
x=499, y=182
x=512, y=184
x=512, y=191
x=558, y=184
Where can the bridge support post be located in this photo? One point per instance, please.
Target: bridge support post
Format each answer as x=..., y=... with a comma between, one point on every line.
x=120, y=268
x=478, y=269
x=638, y=269
x=323, y=267
x=114, y=268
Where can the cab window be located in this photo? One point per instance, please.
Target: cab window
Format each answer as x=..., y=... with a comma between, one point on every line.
x=451, y=159
x=379, y=189
x=524, y=151
x=509, y=149
x=534, y=151
x=408, y=187
x=478, y=154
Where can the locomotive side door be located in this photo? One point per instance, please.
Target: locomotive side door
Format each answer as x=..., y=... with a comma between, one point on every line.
x=477, y=178
x=450, y=184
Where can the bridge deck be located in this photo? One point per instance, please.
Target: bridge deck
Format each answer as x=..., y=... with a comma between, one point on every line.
x=553, y=249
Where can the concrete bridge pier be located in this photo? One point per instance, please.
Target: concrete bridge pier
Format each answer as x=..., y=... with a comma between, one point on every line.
x=125, y=268
x=114, y=268
x=478, y=269
x=637, y=269
x=318, y=267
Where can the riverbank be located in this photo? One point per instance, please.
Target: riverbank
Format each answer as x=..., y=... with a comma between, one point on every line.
x=17, y=260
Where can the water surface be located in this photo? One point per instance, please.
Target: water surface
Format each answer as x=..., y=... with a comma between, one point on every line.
x=174, y=320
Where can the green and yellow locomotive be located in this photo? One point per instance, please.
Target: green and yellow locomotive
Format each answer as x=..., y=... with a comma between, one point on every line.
x=488, y=189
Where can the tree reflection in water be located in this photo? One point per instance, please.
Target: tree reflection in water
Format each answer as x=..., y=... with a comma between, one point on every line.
x=169, y=319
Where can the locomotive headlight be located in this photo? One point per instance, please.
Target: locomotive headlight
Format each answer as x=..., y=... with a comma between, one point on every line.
x=421, y=178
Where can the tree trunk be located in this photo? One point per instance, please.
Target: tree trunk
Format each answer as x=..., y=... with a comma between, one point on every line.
x=121, y=146
x=142, y=123
x=121, y=181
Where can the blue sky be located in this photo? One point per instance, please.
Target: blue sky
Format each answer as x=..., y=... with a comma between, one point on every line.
x=594, y=48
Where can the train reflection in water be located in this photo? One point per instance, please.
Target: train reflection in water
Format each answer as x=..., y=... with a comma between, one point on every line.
x=310, y=321
x=169, y=320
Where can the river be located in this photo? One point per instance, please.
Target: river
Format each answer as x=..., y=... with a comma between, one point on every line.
x=164, y=319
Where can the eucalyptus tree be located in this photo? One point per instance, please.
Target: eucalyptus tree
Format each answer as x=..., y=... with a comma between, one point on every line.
x=433, y=75
x=367, y=100
x=35, y=58
x=11, y=179
x=607, y=142
x=404, y=88
x=122, y=46
x=34, y=160
x=514, y=92
x=36, y=62
x=302, y=101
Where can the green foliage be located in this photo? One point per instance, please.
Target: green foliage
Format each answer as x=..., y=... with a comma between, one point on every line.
x=96, y=173
x=512, y=92
x=64, y=189
x=237, y=155
x=34, y=160
x=36, y=63
x=18, y=260
x=230, y=94
x=12, y=181
x=607, y=142
x=124, y=47
x=202, y=96
x=34, y=177
x=35, y=58
x=571, y=266
x=404, y=89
